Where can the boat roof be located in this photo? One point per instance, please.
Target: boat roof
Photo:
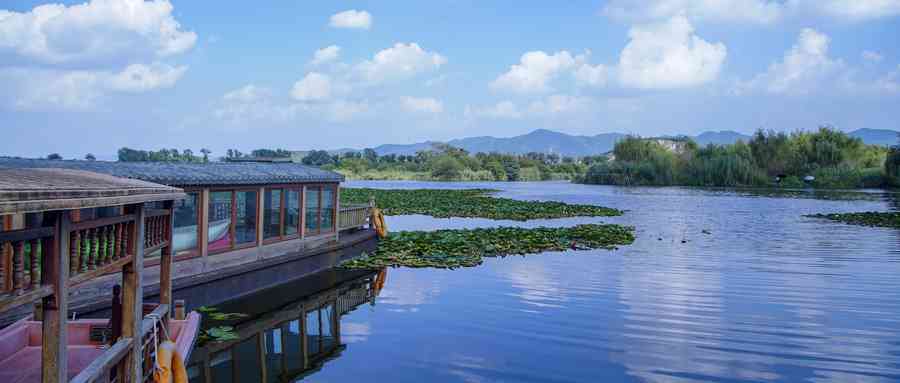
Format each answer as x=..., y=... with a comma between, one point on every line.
x=190, y=174
x=46, y=189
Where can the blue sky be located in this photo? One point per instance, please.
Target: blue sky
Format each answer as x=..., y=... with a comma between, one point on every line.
x=92, y=77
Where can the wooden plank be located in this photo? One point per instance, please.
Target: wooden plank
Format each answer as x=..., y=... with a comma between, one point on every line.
x=54, y=351
x=165, y=261
x=26, y=234
x=147, y=323
x=109, y=268
x=203, y=225
x=101, y=366
x=132, y=297
x=10, y=301
x=94, y=223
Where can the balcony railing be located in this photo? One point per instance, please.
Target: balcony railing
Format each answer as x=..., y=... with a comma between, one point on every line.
x=21, y=255
x=353, y=216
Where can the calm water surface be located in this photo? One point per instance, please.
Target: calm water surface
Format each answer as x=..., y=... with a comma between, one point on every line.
x=767, y=295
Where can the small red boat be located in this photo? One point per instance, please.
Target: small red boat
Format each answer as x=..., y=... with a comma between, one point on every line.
x=20, y=346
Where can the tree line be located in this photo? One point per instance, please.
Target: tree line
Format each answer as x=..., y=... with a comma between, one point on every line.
x=824, y=158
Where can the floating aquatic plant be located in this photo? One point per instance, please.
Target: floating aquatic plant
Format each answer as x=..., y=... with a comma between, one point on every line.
x=467, y=247
x=475, y=203
x=212, y=331
x=869, y=218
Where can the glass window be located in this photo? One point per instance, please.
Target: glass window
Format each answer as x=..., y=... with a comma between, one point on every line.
x=274, y=352
x=327, y=209
x=219, y=220
x=272, y=214
x=245, y=221
x=187, y=218
x=246, y=358
x=313, y=333
x=293, y=349
x=220, y=367
x=291, y=212
x=326, y=314
x=312, y=210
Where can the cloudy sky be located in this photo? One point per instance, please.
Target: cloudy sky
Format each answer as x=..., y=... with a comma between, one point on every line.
x=91, y=77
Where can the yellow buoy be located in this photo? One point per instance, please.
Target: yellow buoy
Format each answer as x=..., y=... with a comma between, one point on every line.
x=377, y=220
x=169, y=365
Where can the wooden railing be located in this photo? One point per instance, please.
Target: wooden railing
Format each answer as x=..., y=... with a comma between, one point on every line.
x=156, y=229
x=353, y=216
x=160, y=315
x=99, y=247
x=21, y=255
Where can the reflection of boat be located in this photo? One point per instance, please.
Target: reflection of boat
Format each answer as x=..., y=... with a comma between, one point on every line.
x=297, y=324
x=185, y=237
x=20, y=345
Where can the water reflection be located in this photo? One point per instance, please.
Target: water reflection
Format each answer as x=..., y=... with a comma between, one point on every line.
x=290, y=331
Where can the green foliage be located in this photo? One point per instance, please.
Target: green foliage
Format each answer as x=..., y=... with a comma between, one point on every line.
x=446, y=168
x=871, y=218
x=468, y=203
x=269, y=153
x=467, y=248
x=892, y=166
x=162, y=155
x=318, y=158
x=835, y=159
x=214, y=330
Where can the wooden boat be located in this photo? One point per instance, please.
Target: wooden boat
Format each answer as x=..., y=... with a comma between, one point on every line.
x=41, y=260
x=20, y=345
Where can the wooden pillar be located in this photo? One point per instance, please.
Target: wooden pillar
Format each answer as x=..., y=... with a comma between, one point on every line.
x=133, y=298
x=203, y=224
x=165, y=261
x=303, y=211
x=260, y=217
x=337, y=212
x=55, y=310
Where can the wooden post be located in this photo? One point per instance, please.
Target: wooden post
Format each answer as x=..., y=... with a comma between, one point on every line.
x=133, y=298
x=203, y=225
x=303, y=211
x=115, y=322
x=179, y=309
x=55, y=264
x=260, y=218
x=336, y=220
x=165, y=261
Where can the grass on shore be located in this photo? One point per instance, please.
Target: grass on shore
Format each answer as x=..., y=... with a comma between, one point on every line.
x=468, y=247
x=473, y=203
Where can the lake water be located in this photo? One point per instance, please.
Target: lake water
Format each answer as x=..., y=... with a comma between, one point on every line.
x=765, y=295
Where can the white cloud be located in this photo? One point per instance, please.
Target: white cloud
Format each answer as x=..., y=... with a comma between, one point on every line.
x=669, y=55
x=325, y=55
x=422, y=105
x=533, y=72
x=501, y=110
x=100, y=31
x=313, y=87
x=40, y=89
x=247, y=93
x=848, y=10
x=352, y=19
x=587, y=75
x=402, y=61
x=804, y=67
x=741, y=11
x=138, y=78
x=872, y=56
x=345, y=110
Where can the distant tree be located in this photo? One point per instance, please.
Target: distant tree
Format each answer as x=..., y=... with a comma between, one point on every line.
x=511, y=166
x=90, y=157
x=277, y=153
x=318, y=158
x=54, y=156
x=206, y=153
x=370, y=155
x=892, y=165
x=446, y=168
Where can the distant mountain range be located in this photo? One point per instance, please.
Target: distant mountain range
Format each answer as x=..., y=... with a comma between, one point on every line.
x=548, y=141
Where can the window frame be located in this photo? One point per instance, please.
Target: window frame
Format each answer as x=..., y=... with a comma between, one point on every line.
x=283, y=212
x=232, y=227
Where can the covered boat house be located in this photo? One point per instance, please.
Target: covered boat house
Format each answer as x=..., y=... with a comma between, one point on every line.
x=236, y=218
x=61, y=230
